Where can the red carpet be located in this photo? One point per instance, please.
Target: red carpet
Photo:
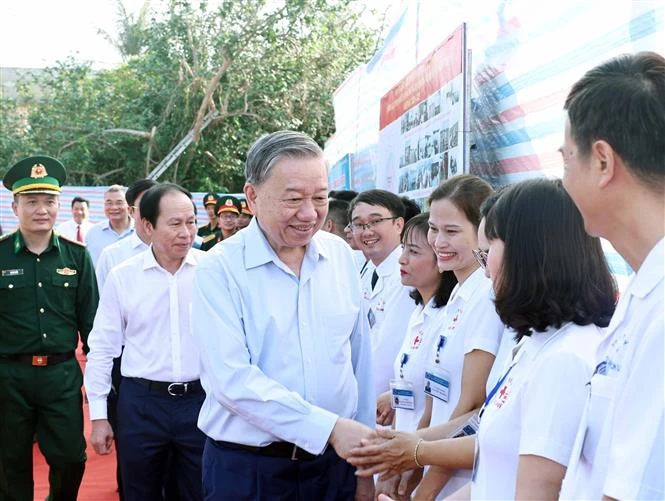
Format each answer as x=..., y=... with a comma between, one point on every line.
x=99, y=479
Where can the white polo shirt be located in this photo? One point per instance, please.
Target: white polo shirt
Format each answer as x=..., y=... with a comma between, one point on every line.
x=471, y=323
x=424, y=324
x=620, y=442
x=536, y=407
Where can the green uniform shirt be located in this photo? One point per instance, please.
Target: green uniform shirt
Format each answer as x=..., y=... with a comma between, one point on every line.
x=45, y=300
x=210, y=236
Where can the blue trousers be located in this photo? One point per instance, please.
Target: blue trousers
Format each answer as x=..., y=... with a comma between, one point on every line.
x=151, y=427
x=238, y=475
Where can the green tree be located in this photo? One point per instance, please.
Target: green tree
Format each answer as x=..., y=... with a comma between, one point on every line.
x=258, y=66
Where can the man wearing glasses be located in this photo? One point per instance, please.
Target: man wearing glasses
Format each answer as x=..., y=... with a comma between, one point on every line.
x=119, y=225
x=377, y=221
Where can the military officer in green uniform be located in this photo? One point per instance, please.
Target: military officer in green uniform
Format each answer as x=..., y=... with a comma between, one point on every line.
x=48, y=297
x=211, y=233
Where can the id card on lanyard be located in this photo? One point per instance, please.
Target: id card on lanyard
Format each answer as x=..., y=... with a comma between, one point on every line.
x=437, y=379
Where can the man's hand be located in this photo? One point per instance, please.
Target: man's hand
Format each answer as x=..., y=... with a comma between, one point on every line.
x=384, y=411
x=101, y=436
x=347, y=434
x=393, y=456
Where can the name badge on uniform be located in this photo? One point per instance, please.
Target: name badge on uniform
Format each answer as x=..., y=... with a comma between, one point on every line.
x=68, y=272
x=12, y=273
x=437, y=383
x=402, y=395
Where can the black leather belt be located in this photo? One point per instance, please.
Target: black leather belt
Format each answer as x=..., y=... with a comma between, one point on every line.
x=276, y=449
x=39, y=360
x=173, y=389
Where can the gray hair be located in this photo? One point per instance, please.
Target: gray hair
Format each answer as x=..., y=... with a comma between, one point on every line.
x=271, y=148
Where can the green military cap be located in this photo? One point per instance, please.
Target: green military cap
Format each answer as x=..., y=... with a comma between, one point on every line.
x=228, y=203
x=245, y=208
x=38, y=174
x=210, y=199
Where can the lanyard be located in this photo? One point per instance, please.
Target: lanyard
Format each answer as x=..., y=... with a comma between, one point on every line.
x=402, y=363
x=495, y=389
x=439, y=347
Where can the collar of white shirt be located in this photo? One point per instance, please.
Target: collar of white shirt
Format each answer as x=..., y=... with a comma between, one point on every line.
x=650, y=273
x=259, y=252
x=390, y=264
x=470, y=285
x=149, y=261
x=106, y=225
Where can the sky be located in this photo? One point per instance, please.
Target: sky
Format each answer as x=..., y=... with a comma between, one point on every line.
x=38, y=33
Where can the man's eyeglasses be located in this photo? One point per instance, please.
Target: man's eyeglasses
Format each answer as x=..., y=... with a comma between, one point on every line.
x=358, y=227
x=481, y=257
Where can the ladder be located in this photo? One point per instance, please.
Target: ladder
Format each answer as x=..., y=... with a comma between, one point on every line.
x=179, y=148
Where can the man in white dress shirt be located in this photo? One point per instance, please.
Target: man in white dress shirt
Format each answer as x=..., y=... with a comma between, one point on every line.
x=614, y=170
x=278, y=316
x=77, y=227
x=377, y=221
x=111, y=256
x=118, y=225
x=146, y=305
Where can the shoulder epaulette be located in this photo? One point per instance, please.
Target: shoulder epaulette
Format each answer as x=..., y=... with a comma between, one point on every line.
x=69, y=240
x=208, y=238
x=6, y=236
x=201, y=227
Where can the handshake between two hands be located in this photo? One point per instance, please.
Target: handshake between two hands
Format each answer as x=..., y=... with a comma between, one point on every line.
x=383, y=451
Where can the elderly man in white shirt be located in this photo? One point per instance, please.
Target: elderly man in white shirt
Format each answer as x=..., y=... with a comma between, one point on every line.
x=135, y=243
x=78, y=226
x=613, y=150
x=277, y=312
x=118, y=225
x=146, y=306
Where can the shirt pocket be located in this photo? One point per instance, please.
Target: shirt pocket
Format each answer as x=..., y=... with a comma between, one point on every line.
x=64, y=292
x=15, y=294
x=602, y=392
x=337, y=330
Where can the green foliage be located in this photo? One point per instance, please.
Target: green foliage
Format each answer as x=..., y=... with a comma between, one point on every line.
x=260, y=66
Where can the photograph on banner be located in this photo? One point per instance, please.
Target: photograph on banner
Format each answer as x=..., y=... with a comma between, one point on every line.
x=421, y=118
x=363, y=169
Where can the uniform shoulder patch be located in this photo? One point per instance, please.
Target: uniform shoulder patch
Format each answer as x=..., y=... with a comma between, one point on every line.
x=208, y=238
x=70, y=241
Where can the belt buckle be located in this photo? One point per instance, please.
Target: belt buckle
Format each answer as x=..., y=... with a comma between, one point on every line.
x=171, y=389
x=294, y=453
x=40, y=360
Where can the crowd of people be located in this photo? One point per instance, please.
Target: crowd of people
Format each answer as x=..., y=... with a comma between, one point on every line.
x=334, y=345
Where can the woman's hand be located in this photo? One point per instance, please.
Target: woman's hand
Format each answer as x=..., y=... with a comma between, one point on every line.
x=391, y=455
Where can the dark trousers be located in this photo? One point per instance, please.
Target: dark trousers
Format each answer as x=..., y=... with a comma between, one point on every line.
x=151, y=428
x=238, y=475
x=46, y=401
x=112, y=404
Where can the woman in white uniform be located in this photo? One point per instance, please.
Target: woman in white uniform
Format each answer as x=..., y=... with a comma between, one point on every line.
x=463, y=351
x=554, y=289
x=404, y=404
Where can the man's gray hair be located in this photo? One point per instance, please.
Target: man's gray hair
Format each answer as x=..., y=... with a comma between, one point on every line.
x=271, y=148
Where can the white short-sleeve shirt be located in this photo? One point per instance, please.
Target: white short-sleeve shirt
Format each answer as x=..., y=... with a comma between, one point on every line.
x=620, y=442
x=536, y=407
x=470, y=323
x=424, y=323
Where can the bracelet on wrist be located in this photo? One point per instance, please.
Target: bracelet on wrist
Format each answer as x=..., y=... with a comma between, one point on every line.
x=415, y=454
